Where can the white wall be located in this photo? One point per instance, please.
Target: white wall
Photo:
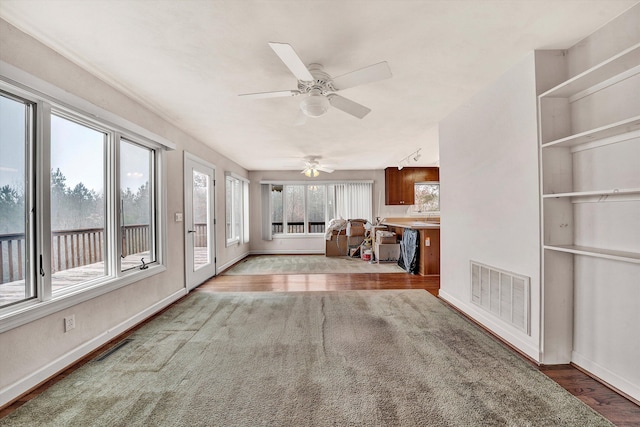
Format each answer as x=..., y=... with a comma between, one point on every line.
x=489, y=195
x=32, y=352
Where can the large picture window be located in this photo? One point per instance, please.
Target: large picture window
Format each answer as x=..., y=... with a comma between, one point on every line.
x=87, y=189
x=306, y=209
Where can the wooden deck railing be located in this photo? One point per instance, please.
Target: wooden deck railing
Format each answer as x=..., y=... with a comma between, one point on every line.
x=11, y=256
x=297, y=227
x=76, y=248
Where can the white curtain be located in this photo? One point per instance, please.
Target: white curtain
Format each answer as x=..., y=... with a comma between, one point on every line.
x=354, y=201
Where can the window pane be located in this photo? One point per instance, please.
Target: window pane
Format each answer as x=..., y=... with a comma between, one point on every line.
x=277, y=209
x=137, y=217
x=316, y=208
x=331, y=202
x=14, y=137
x=237, y=208
x=200, y=210
x=427, y=197
x=229, y=207
x=77, y=203
x=295, y=208
x=233, y=190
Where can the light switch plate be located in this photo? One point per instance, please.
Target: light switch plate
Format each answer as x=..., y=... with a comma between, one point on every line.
x=179, y=217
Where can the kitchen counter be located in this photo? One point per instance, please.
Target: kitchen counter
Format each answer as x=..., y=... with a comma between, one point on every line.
x=429, y=262
x=413, y=224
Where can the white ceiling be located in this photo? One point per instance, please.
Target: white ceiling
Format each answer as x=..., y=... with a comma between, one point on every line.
x=189, y=59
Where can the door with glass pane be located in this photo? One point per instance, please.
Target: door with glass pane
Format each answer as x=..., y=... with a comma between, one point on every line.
x=199, y=222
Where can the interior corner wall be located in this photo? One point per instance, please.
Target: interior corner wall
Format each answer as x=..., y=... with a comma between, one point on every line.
x=33, y=352
x=489, y=196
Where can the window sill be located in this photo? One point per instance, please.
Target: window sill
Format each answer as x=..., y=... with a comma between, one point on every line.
x=233, y=242
x=29, y=311
x=297, y=236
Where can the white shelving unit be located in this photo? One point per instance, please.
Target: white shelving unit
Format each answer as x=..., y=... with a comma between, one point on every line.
x=589, y=130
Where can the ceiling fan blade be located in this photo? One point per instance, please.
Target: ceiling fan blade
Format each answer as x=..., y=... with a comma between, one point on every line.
x=348, y=106
x=372, y=73
x=292, y=61
x=324, y=169
x=276, y=94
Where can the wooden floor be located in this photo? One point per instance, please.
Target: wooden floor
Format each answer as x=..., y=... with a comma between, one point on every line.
x=613, y=406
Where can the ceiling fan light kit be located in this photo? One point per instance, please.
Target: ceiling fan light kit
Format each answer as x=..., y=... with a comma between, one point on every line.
x=313, y=168
x=315, y=105
x=311, y=173
x=320, y=87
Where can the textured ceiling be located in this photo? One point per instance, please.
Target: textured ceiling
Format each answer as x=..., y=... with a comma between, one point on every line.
x=189, y=59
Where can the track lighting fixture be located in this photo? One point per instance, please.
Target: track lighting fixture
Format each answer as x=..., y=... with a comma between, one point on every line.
x=415, y=156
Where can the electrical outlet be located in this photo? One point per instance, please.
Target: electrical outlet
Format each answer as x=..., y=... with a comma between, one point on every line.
x=69, y=323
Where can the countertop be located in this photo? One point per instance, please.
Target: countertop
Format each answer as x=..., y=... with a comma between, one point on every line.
x=411, y=223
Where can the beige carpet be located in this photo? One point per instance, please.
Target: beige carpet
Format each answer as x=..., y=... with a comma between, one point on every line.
x=349, y=358
x=307, y=264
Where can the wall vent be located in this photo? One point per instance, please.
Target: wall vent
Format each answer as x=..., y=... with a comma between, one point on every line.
x=505, y=295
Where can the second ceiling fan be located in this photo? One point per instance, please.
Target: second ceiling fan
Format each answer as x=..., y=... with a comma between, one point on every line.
x=319, y=87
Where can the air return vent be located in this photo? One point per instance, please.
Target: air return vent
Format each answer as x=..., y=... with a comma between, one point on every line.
x=503, y=294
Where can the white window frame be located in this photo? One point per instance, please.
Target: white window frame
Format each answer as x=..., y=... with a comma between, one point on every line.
x=47, y=98
x=239, y=234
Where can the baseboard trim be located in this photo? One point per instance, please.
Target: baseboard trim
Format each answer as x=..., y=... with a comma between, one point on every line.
x=607, y=377
x=287, y=252
x=496, y=329
x=12, y=392
x=229, y=264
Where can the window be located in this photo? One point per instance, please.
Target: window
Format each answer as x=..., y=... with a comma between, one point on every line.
x=237, y=209
x=77, y=203
x=137, y=220
x=316, y=212
x=16, y=130
x=294, y=208
x=93, y=200
x=427, y=197
x=303, y=209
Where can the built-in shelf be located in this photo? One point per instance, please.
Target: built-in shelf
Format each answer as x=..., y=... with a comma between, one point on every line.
x=614, y=192
x=631, y=257
x=628, y=126
x=610, y=69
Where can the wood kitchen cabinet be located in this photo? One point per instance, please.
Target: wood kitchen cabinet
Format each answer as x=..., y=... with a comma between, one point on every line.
x=399, y=184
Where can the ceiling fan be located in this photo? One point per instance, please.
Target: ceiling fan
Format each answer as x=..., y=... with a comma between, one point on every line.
x=319, y=87
x=313, y=168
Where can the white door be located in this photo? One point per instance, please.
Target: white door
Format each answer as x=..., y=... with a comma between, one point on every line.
x=199, y=220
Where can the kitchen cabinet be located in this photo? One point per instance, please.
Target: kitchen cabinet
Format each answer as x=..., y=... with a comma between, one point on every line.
x=399, y=184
